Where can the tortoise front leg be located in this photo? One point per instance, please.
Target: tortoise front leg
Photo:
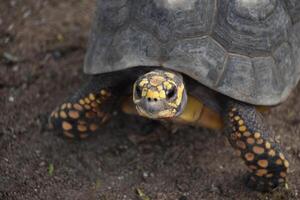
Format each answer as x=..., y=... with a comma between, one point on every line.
x=83, y=113
x=247, y=133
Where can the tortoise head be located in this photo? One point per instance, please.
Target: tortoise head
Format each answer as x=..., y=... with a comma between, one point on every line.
x=160, y=94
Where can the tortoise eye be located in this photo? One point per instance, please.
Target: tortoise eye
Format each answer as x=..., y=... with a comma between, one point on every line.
x=138, y=91
x=171, y=93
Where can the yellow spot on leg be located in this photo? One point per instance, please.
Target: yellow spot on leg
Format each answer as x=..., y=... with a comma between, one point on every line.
x=92, y=97
x=82, y=128
x=87, y=100
x=263, y=163
x=257, y=135
x=64, y=106
x=74, y=114
x=63, y=114
x=258, y=150
x=249, y=156
x=66, y=126
x=268, y=145
x=272, y=153
x=261, y=172
x=247, y=134
x=103, y=92
x=81, y=101
x=278, y=162
x=250, y=141
x=93, y=127
x=286, y=163
x=242, y=128
x=78, y=107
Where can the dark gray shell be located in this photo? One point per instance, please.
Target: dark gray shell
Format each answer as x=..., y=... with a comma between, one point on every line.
x=246, y=49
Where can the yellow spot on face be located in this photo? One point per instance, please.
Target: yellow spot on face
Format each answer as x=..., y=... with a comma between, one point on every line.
x=66, y=126
x=82, y=128
x=241, y=144
x=78, y=107
x=247, y=134
x=257, y=135
x=241, y=122
x=64, y=106
x=231, y=114
x=69, y=135
x=69, y=105
x=152, y=94
x=249, y=156
x=234, y=109
x=143, y=82
x=242, y=128
x=93, y=127
x=278, y=162
x=74, y=114
x=286, y=163
x=92, y=97
x=272, y=153
x=81, y=101
x=283, y=174
x=160, y=88
x=156, y=80
x=250, y=141
x=261, y=172
x=162, y=94
x=167, y=85
x=63, y=114
x=263, y=163
x=258, y=150
x=268, y=145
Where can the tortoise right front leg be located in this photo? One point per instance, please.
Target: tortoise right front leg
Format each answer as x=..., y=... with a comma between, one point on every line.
x=248, y=134
x=82, y=114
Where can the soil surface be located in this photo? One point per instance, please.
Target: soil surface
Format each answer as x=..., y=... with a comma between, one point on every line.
x=42, y=47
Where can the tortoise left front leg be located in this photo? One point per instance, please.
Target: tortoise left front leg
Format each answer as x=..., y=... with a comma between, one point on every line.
x=247, y=133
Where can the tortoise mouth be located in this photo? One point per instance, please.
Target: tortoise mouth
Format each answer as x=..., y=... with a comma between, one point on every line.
x=155, y=110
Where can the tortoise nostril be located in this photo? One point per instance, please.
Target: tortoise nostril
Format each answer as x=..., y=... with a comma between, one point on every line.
x=149, y=99
x=155, y=99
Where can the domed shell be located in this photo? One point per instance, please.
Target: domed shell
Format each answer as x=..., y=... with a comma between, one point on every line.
x=246, y=49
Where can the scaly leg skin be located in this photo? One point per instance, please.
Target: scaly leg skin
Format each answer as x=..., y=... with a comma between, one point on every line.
x=247, y=133
x=83, y=113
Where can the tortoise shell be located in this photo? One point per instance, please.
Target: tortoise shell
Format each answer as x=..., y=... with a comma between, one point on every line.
x=246, y=49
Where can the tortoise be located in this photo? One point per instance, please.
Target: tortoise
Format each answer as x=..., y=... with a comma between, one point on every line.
x=210, y=63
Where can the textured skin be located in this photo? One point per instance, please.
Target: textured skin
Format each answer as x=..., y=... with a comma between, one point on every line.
x=248, y=50
x=253, y=141
x=83, y=114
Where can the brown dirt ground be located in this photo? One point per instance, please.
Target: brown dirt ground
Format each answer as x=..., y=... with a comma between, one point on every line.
x=42, y=46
